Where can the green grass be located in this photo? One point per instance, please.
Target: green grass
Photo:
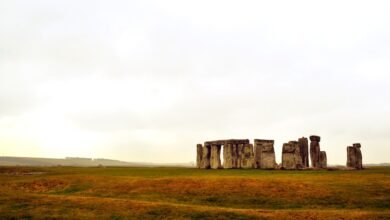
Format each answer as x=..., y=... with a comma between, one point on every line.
x=188, y=193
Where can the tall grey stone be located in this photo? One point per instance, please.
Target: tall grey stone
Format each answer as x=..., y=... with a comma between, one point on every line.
x=228, y=155
x=323, y=159
x=199, y=155
x=235, y=153
x=206, y=152
x=315, y=151
x=351, y=157
x=354, y=156
x=257, y=155
x=304, y=149
x=247, y=156
x=359, y=157
x=291, y=156
x=215, y=159
x=240, y=151
x=264, y=154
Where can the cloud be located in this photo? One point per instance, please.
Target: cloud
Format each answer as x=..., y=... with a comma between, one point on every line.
x=148, y=80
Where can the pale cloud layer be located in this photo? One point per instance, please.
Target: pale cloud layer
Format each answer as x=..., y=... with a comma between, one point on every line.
x=148, y=80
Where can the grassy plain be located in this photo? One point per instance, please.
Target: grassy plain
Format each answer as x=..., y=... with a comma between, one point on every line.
x=189, y=193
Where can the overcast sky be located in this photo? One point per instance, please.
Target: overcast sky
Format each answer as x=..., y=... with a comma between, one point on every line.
x=148, y=80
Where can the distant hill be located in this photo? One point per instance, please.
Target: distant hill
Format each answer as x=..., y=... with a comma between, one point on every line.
x=365, y=165
x=80, y=161
x=377, y=164
x=92, y=162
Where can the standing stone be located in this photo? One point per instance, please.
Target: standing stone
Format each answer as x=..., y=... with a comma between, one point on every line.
x=359, y=158
x=351, y=157
x=354, y=157
x=215, y=159
x=315, y=151
x=268, y=156
x=257, y=154
x=228, y=156
x=264, y=154
x=199, y=155
x=235, y=156
x=240, y=152
x=291, y=156
x=247, y=156
x=288, y=161
x=206, y=151
x=304, y=149
x=323, y=160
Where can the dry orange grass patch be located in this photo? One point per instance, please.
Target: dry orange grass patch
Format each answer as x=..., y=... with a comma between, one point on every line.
x=178, y=193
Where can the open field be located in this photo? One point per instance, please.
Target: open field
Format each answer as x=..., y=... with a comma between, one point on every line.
x=189, y=193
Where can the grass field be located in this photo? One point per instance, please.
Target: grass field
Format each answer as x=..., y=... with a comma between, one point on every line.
x=189, y=193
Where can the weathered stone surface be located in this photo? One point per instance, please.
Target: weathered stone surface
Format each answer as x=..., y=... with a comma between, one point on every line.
x=323, y=159
x=240, y=151
x=228, y=155
x=304, y=150
x=264, y=154
x=233, y=151
x=354, y=156
x=315, y=138
x=351, y=157
x=359, y=158
x=199, y=155
x=235, y=155
x=206, y=152
x=247, y=156
x=257, y=156
x=315, y=151
x=215, y=159
x=291, y=156
x=231, y=141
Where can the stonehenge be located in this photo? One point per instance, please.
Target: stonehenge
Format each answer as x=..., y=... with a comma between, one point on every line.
x=237, y=153
x=354, y=157
x=241, y=154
